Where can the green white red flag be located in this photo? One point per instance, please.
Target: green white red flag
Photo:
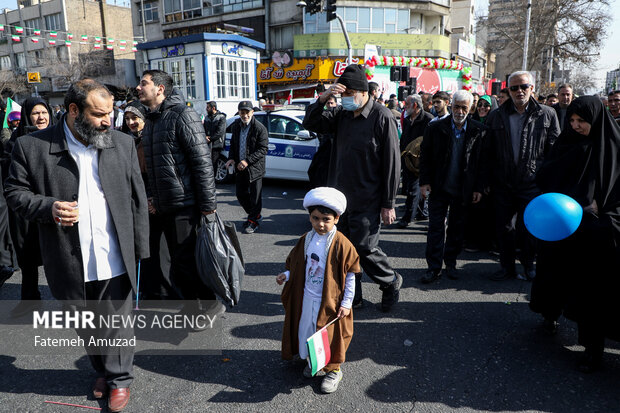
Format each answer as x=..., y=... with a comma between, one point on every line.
x=53, y=34
x=290, y=97
x=318, y=348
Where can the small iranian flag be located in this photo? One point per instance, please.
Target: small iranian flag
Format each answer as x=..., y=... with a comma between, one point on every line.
x=316, y=95
x=123, y=42
x=1, y=27
x=37, y=32
x=52, y=41
x=68, y=43
x=110, y=47
x=70, y=36
x=34, y=39
x=122, y=47
x=318, y=348
x=134, y=49
x=15, y=38
x=84, y=39
x=135, y=42
x=97, y=45
x=53, y=34
x=97, y=39
x=110, y=40
x=290, y=97
x=19, y=30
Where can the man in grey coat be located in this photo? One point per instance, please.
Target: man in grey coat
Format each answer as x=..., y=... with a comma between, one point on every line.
x=81, y=183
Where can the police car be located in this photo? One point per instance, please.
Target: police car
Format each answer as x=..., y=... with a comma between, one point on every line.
x=291, y=147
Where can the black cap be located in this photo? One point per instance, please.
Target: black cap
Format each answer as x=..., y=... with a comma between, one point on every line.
x=245, y=105
x=354, y=77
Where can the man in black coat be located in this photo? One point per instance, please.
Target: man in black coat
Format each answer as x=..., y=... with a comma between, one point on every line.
x=449, y=165
x=565, y=97
x=215, y=129
x=521, y=133
x=365, y=166
x=89, y=250
x=181, y=181
x=248, y=149
x=414, y=126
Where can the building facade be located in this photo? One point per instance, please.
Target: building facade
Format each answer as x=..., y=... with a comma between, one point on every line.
x=63, y=40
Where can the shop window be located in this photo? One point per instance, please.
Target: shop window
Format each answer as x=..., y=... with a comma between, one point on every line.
x=190, y=78
x=361, y=20
x=183, y=73
x=5, y=62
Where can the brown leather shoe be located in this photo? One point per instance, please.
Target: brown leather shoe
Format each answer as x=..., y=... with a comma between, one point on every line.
x=118, y=399
x=100, y=388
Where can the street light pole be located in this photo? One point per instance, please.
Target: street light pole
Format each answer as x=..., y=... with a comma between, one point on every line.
x=527, y=33
x=346, y=38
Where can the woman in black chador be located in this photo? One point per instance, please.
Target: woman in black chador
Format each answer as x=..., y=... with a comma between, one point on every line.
x=580, y=276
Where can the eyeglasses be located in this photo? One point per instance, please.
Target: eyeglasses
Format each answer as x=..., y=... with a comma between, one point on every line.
x=524, y=86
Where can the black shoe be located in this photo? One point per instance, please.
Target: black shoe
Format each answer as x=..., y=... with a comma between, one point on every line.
x=430, y=276
x=25, y=307
x=402, y=224
x=391, y=294
x=502, y=275
x=5, y=273
x=530, y=274
x=550, y=326
x=589, y=362
x=451, y=273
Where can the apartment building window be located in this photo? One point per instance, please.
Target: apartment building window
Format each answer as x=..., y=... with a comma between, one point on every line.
x=232, y=77
x=30, y=26
x=52, y=22
x=282, y=36
x=151, y=12
x=176, y=10
x=21, y=59
x=5, y=62
x=361, y=20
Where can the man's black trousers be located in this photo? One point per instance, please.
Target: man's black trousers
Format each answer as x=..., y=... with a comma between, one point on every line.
x=511, y=231
x=442, y=245
x=249, y=194
x=362, y=229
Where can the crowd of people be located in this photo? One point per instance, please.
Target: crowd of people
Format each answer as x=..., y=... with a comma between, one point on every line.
x=468, y=164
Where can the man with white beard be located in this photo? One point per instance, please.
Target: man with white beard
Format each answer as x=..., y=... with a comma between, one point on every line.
x=449, y=162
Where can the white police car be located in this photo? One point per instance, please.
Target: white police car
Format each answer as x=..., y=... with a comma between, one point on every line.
x=291, y=147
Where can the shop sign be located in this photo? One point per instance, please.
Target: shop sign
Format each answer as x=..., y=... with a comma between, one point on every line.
x=340, y=65
x=173, y=51
x=300, y=70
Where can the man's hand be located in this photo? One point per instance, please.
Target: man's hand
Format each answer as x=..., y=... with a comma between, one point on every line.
x=335, y=89
x=476, y=197
x=343, y=312
x=388, y=216
x=280, y=278
x=230, y=162
x=208, y=139
x=208, y=212
x=242, y=165
x=65, y=213
x=152, y=209
x=425, y=190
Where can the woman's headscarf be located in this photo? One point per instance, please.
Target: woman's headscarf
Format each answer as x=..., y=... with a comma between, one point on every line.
x=25, y=125
x=587, y=168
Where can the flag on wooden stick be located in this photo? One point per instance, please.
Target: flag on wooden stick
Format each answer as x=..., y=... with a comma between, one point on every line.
x=318, y=348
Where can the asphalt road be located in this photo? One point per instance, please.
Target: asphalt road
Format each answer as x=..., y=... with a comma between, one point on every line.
x=469, y=345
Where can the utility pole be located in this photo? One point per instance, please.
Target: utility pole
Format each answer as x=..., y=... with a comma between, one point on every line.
x=527, y=33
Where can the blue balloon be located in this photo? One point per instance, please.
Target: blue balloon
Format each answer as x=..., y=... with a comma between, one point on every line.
x=552, y=216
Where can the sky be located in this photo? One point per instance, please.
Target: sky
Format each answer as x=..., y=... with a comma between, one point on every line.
x=610, y=53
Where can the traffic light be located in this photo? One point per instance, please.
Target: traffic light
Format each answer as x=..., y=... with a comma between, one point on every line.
x=313, y=6
x=330, y=9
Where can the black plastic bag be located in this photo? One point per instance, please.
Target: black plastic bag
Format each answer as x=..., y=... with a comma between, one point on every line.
x=218, y=258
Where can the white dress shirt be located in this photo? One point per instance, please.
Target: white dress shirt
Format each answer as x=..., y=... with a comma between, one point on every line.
x=101, y=254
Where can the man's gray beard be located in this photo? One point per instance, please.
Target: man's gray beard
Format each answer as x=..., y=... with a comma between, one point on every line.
x=98, y=138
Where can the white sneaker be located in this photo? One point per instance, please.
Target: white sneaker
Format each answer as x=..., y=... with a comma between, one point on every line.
x=331, y=381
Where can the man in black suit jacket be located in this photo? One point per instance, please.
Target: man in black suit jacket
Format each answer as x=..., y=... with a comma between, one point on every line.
x=90, y=249
x=565, y=97
x=449, y=177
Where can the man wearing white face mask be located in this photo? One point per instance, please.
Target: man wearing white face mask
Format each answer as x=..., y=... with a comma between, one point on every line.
x=365, y=166
x=449, y=163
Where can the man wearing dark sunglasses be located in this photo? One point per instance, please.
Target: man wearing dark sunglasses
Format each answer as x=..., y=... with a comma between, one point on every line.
x=521, y=133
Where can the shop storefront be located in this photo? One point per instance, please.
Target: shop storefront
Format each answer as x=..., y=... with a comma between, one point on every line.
x=208, y=66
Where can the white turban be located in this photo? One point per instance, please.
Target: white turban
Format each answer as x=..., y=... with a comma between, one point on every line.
x=327, y=197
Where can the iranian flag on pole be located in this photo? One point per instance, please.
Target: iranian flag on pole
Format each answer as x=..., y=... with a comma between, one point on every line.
x=290, y=97
x=318, y=350
x=11, y=106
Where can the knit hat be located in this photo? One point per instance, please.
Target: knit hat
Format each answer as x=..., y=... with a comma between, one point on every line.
x=328, y=197
x=137, y=109
x=354, y=77
x=486, y=98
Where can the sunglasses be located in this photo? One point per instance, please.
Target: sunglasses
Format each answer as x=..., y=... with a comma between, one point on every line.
x=524, y=86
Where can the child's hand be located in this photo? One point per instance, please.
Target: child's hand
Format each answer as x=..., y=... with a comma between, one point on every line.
x=343, y=312
x=281, y=278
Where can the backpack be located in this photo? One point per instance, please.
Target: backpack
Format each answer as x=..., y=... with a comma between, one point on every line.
x=411, y=155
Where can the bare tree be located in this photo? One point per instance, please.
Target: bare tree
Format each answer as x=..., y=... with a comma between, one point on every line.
x=12, y=83
x=570, y=29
